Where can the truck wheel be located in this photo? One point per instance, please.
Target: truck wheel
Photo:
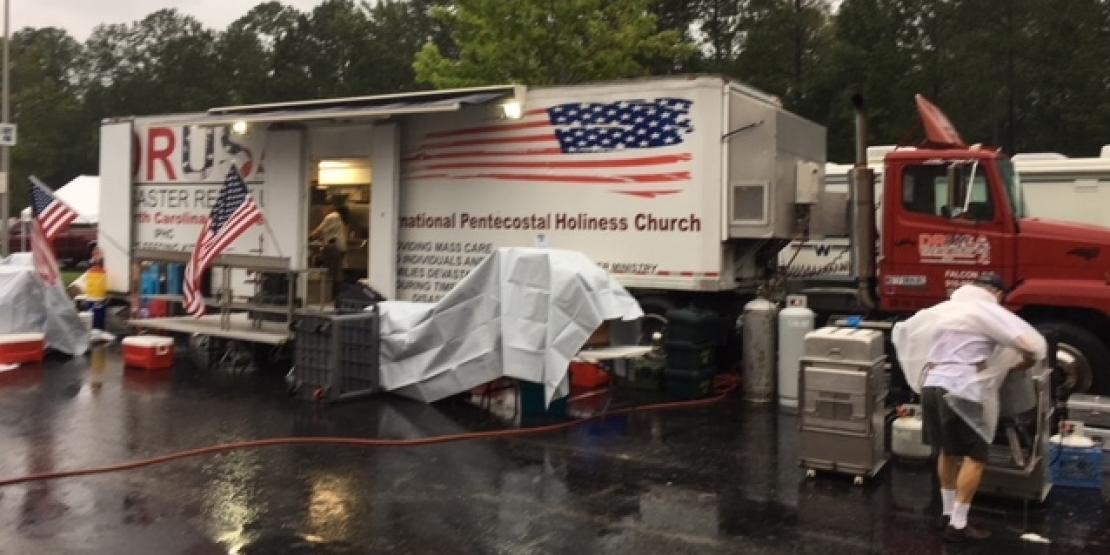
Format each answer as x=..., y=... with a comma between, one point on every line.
x=1081, y=354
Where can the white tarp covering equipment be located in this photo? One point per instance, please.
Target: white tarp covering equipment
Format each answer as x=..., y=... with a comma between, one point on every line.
x=521, y=313
x=29, y=305
x=971, y=309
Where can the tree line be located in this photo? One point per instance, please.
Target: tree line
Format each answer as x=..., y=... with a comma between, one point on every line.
x=1026, y=75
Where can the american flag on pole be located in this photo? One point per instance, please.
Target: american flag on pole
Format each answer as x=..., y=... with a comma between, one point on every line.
x=50, y=213
x=635, y=146
x=42, y=253
x=234, y=213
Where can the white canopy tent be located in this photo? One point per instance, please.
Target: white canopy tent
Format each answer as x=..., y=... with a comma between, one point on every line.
x=83, y=196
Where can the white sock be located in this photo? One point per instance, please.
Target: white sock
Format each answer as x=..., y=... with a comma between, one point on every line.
x=948, y=497
x=959, y=515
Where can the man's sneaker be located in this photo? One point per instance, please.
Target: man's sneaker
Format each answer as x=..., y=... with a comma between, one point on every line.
x=965, y=534
x=942, y=521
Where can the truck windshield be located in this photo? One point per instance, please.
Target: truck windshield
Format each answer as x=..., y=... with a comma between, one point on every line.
x=1013, y=188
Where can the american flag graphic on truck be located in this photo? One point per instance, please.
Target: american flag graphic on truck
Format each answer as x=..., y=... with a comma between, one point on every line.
x=637, y=143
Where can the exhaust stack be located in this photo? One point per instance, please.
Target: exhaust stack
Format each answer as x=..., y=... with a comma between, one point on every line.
x=862, y=214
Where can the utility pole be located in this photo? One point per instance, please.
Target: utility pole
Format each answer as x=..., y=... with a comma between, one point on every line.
x=5, y=151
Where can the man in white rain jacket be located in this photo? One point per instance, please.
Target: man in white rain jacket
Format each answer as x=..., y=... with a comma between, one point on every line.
x=964, y=333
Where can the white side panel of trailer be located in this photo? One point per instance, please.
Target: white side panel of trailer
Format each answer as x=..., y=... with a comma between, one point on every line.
x=1082, y=200
x=115, y=227
x=385, y=203
x=181, y=169
x=647, y=211
x=287, y=202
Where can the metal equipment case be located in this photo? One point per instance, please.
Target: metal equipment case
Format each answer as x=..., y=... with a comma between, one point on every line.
x=336, y=356
x=842, y=410
x=1018, y=464
x=1092, y=410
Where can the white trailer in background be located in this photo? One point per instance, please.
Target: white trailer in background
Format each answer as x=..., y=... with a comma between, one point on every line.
x=1066, y=189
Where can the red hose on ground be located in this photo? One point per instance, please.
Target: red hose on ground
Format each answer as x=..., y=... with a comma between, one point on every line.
x=724, y=385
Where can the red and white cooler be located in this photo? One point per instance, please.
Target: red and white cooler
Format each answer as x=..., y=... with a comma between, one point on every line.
x=152, y=352
x=18, y=348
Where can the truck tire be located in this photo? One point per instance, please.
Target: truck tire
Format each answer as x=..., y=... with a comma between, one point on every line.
x=1084, y=358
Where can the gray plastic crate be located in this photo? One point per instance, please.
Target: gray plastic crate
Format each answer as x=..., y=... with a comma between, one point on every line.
x=336, y=356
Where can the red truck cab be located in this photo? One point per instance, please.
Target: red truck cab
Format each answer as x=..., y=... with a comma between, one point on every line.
x=952, y=213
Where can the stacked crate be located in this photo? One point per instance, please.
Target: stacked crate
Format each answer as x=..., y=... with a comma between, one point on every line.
x=691, y=346
x=336, y=355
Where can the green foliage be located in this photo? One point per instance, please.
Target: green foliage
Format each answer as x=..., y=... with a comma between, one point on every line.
x=543, y=42
x=45, y=100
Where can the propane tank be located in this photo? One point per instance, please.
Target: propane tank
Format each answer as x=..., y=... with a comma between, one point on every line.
x=795, y=321
x=907, y=439
x=758, y=369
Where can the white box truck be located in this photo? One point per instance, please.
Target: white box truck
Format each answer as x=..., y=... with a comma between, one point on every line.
x=677, y=184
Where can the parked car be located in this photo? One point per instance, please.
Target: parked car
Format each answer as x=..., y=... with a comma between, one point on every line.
x=73, y=248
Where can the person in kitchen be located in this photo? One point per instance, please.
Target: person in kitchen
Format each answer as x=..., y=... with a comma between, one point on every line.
x=333, y=232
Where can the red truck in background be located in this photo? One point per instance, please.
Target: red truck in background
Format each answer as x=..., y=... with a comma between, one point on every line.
x=71, y=248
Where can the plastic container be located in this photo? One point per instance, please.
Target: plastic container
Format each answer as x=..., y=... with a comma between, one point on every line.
x=152, y=280
x=175, y=279
x=907, y=440
x=336, y=356
x=694, y=383
x=687, y=388
x=645, y=374
x=150, y=352
x=356, y=298
x=587, y=376
x=1076, y=467
x=532, y=402
x=19, y=348
x=96, y=284
x=158, y=308
x=684, y=356
x=692, y=326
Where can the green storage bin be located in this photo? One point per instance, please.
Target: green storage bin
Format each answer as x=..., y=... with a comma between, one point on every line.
x=693, y=326
x=645, y=374
x=691, y=357
x=531, y=402
x=685, y=388
x=690, y=374
x=689, y=383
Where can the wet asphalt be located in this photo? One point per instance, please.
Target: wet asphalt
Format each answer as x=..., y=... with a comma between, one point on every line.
x=722, y=479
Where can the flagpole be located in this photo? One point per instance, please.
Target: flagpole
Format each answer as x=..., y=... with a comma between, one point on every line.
x=5, y=151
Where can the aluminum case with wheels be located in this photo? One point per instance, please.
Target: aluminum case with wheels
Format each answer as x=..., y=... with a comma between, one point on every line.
x=1018, y=465
x=1092, y=410
x=842, y=405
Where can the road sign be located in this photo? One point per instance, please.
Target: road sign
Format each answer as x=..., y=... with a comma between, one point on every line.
x=7, y=134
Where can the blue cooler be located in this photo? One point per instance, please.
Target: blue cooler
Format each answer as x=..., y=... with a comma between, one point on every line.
x=175, y=279
x=1076, y=467
x=152, y=280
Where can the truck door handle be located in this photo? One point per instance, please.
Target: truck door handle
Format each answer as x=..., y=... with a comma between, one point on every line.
x=904, y=243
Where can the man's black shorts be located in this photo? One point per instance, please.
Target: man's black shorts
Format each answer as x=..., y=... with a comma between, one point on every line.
x=945, y=430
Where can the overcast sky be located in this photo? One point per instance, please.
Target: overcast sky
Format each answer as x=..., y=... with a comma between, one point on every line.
x=79, y=17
